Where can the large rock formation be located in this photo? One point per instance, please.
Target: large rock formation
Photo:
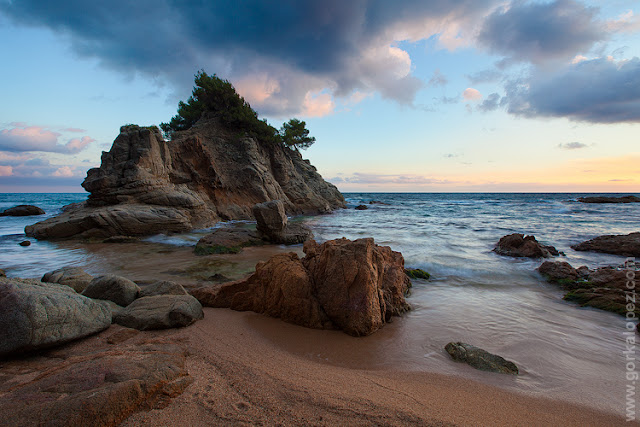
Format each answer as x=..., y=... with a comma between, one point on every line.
x=36, y=315
x=623, y=244
x=355, y=286
x=147, y=185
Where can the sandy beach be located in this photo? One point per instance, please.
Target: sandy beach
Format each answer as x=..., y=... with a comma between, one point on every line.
x=242, y=377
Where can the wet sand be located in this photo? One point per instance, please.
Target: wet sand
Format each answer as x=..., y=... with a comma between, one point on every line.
x=243, y=377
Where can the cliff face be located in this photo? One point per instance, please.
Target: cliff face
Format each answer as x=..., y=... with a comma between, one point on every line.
x=146, y=185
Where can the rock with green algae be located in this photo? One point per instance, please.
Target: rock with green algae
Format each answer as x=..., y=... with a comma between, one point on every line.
x=417, y=273
x=480, y=359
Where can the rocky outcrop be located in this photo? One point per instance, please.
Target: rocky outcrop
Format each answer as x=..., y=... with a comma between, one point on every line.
x=480, y=359
x=604, y=288
x=274, y=227
x=74, y=277
x=355, y=286
x=608, y=199
x=118, y=289
x=625, y=244
x=519, y=245
x=146, y=185
x=160, y=312
x=23, y=210
x=97, y=386
x=36, y=315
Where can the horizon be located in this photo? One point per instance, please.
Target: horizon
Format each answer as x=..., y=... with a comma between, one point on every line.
x=422, y=97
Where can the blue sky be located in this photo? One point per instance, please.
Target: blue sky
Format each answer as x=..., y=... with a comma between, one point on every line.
x=411, y=96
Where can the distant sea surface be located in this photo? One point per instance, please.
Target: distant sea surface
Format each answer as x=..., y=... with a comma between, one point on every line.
x=476, y=296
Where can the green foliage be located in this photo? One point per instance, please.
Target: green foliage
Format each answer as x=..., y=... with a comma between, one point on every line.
x=219, y=97
x=295, y=134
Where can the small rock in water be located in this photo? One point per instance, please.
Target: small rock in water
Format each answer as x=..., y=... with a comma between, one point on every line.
x=480, y=359
x=362, y=207
x=416, y=273
x=519, y=245
x=23, y=210
x=25, y=243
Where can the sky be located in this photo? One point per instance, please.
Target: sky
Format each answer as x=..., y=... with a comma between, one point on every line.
x=402, y=96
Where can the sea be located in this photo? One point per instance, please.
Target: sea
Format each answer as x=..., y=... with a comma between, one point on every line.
x=498, y=303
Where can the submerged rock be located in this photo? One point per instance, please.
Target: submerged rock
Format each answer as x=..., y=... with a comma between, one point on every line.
x=227, y=241
x=480, y=359
x=355, y=286
x=25, y=243
x=23, y=210
x=519, y=245
x=146, y=185
x=160, y=312
x=608, y=199
x=37, y=315
x=362, y=207
x=417, y=273
x=114, y=288
x=74, y=277
x=622, y=244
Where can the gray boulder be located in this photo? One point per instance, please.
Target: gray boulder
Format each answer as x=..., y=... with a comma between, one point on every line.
x=480, y=359
x=113, y=288
x=22, y=210
x=36, y=315
x=74, y=277
x=270, y=216
x=160, y=312
x=162, y=287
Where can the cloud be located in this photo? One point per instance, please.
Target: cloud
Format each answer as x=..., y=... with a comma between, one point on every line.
x=540, y=32
x=438, y=79
x=490, y=104
x=25, y=138
x=317, y=105
x=471, y=94
x=74, y=130
x=598, y=91
x=276, y=55
x=484, y=76
x=572, y=146
x=372, y=178
x=626, y=22
x=6, y=171
x=64, y=171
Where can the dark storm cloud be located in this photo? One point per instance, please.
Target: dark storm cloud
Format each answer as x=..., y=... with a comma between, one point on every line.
x=305, y=46
x=597, y=91
x=539, y=32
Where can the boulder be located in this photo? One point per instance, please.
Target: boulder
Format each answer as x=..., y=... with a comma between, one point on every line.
x=354, y=286
x=146, y=185
x=160, y=312
x=23, y=210
x=162, y=287
x=118, y=289
x=273, y=226
x=97, y=386
x=25, y=243
x=74, y=277
x=519, y=245
x=362, y=207
x=558, y=272
x=36, y=315
x=625, y=245
x=608, y=199
x=227, y=241
x=480, y=359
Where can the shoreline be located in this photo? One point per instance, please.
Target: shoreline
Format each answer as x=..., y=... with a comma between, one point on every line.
x=243, y=377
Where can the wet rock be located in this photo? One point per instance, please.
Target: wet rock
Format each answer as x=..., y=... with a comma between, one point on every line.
x=519, y=245
x=417, y=273
x=625, y=245
x=355, y=286
x=480, y=359
x=74, y=277
x=37, y=315
x=2, y=273
x=118, y=289
x=273, y=226
x=227, y=241
x=160, y=312
x=25, y=243
x=362, y=207
x=558, y=272
x=146, y=185
x=162, y=287
x=22, y=210
x=607, y=199
x=101, y=386
x=121, y=239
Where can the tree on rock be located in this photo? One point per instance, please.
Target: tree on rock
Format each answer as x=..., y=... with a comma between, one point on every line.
x=295, y=134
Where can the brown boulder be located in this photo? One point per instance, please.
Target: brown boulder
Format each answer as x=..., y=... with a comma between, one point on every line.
x=355, y=286
x=146, y=185
x=227, y=240
x=625, y=245
x=519, y=245
x=558, y=271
